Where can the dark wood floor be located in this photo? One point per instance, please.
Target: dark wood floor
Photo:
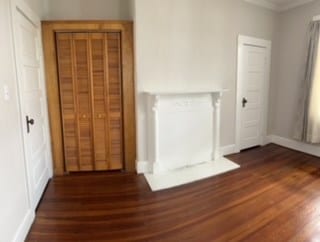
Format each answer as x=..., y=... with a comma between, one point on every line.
x=274, y=196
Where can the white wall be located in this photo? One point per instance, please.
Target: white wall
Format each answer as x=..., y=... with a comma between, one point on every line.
x=289, y=63
x=37, y=6
x=193, y=43
x=14, y=204
x=87, y=10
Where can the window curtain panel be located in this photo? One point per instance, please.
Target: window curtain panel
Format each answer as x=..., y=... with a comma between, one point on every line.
x=308, y=124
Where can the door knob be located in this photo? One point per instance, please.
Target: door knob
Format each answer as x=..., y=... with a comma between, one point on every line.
x=29, y=122
x=244, y=102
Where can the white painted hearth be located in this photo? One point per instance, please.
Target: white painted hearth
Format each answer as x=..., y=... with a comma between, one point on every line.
x=183, y=130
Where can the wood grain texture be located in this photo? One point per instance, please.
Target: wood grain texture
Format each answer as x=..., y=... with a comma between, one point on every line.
x=50, y=53
x=50, y=28
x=100, y=86
x=68, y=100
x=274, y=196
x=90, y=80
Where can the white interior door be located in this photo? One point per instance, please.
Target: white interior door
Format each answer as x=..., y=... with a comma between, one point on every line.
x=27, y=37
x=253, y=77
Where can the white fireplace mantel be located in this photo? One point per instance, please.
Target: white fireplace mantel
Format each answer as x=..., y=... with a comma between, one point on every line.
x=183, y=129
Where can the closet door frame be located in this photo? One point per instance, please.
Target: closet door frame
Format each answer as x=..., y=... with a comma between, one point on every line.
x=49, y=30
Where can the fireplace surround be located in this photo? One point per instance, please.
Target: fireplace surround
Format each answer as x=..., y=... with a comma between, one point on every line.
x=183, y=129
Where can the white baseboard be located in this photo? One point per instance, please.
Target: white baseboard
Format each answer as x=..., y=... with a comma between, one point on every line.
x=295, y=145
x=24, y=227
x=143, y=167
x=228, y=150
x=267, y=139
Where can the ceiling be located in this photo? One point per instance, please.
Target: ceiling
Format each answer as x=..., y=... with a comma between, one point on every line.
x=279, y=5
x=280, y=1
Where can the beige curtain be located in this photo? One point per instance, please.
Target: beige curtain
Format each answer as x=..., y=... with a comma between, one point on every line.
x=308, y=127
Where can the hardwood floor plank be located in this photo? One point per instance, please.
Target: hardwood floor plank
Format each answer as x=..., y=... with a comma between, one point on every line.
x=274, y=196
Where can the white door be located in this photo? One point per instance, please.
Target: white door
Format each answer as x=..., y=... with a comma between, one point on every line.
x=33, y=104
x=251, y=101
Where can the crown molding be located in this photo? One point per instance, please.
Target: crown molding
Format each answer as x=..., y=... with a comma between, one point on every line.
x=293, y=4
x=264, y=4
x=279, y=7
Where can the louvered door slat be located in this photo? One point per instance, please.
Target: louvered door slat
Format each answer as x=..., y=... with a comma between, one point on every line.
x=82, y=73
x=114, y=99
x=99, y=83
x=68, y=101
x=90, y=89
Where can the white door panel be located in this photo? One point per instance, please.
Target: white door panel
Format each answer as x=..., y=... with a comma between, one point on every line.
x=33, y=105
x=31, y=79
x=254, y=71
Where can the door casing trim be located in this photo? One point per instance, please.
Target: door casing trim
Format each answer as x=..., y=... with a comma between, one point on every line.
x=49, y=28
x=20, y=7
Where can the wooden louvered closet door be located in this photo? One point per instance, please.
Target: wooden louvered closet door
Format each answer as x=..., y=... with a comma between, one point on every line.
x=91, y=101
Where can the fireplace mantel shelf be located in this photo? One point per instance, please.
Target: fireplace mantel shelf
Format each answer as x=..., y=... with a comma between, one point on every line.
x=182, y=92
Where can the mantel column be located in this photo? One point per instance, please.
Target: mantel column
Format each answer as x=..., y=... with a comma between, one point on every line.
x=155, y=110
x=216, y=98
